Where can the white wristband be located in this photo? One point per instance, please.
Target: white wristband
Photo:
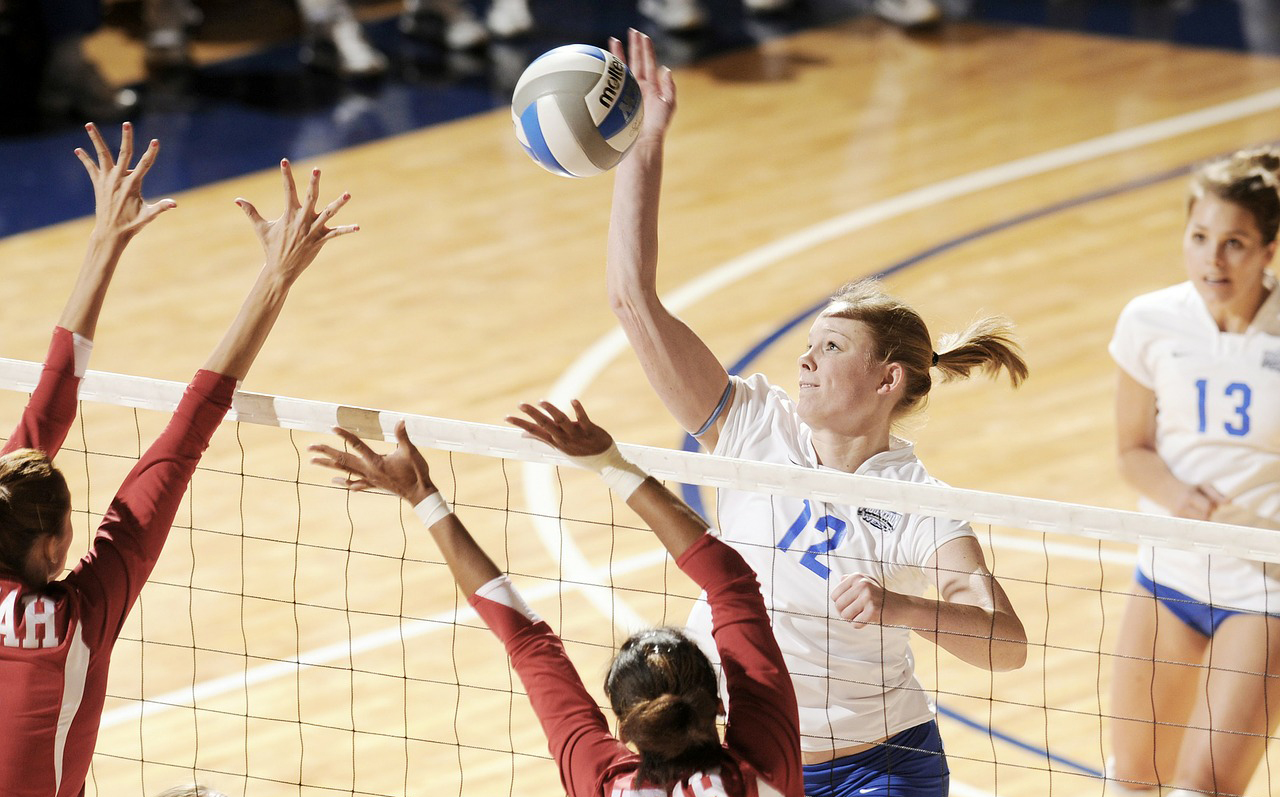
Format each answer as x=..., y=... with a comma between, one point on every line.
x=619, y=474
x=81, y=348
x=432, y=509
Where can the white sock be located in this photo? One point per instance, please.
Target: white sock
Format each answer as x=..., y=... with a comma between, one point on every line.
x=1115, y=788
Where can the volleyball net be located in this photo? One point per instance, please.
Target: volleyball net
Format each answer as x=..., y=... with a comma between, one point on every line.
x=299, y=640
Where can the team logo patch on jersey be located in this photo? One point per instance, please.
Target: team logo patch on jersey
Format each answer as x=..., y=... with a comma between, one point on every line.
x=881, y=519
x=1271, y=359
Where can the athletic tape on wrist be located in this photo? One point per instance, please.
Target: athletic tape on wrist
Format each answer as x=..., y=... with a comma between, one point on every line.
x=619, y=474
x=432, y=509
x=81, y=348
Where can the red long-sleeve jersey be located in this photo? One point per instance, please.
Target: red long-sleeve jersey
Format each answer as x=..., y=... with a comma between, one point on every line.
x=55, y=642
x=762, y=735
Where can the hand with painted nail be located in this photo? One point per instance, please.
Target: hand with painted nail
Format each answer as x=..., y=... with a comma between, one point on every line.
x=293, y=240
x=120, y=213
x=120, y=209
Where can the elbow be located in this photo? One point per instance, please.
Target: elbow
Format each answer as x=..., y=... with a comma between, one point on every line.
x=637, y=314
x=622, y=301
x=628, y=301
x=1009, y=652
x=1130, y=460
x=1008, y=656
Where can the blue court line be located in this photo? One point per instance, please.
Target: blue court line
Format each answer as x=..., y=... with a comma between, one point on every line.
x=1035, y=750
x=241, y=115
x=693, y=495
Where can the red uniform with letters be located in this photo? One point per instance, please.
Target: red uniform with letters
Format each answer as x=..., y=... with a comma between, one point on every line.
x=762, y=734
x=55, y=643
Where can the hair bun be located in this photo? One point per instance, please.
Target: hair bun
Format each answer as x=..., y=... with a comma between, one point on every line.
x=1266, y=158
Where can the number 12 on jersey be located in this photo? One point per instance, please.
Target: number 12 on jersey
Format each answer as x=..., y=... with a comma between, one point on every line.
x=834, y=529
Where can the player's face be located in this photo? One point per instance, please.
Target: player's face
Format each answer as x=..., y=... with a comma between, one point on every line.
x=1224, y=254
x=839, y=376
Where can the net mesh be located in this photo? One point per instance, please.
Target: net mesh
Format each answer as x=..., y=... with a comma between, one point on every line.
x=298, y=640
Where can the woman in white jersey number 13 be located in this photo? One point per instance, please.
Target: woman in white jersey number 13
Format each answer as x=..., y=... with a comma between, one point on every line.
x=1195, y=690
x=844, y=584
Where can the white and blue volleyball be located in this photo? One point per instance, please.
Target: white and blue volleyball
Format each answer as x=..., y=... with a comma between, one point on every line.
x=577, y=110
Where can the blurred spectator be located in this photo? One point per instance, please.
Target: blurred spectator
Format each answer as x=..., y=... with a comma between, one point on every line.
x=45, y=71
x=332, y=37
x=688, y=15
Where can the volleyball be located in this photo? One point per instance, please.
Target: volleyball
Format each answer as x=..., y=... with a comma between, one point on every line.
x=577, y=110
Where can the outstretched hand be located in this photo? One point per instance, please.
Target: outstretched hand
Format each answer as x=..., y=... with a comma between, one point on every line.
x=656, y=83
x=117, y=187
x=576, y=437
x=403, y=472
x=292, y=241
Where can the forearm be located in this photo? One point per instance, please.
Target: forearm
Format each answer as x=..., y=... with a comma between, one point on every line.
x=681, y=368
x=470, y=565
x=1144, y=470
x=136, y=525
x=577, y=733
x=80, y=315
x=984, y=637
x=676, y=525
x=240, y=345
x=631, y=270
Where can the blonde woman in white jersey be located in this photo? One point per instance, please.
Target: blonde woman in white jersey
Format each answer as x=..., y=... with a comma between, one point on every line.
x=1198, y=430
x=844, y=584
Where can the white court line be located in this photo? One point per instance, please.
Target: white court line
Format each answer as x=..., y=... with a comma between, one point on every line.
x=540, y=491
x=1065, y=550
x=415, y=628
x=409, y=629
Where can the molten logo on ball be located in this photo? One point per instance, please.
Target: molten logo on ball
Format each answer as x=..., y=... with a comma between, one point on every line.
x=577, y=110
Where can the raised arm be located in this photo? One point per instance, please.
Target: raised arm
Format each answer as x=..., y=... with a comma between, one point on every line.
x=1142, y=467
x=763, y=722
x=133, y=532
x=974, y=620
x=673, y=522
x=577, y=733
x=289, y=243
x=119, y=214
x=685, y=373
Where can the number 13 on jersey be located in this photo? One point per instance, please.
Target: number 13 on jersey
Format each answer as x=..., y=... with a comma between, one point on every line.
x=1238, y=393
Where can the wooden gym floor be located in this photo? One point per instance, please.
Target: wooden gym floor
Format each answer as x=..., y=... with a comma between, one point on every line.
x=1034, y=174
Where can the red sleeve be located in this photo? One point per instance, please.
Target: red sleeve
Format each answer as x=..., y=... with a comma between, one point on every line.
x=577, y=732
x=763, y=726
x=52, y=408
x=133, y=532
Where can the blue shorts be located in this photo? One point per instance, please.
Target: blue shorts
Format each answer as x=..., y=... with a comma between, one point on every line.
x=1201, y=616
x=908, y=764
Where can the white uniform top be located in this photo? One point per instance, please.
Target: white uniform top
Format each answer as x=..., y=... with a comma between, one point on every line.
x=853, y=686
x=1217, y=423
